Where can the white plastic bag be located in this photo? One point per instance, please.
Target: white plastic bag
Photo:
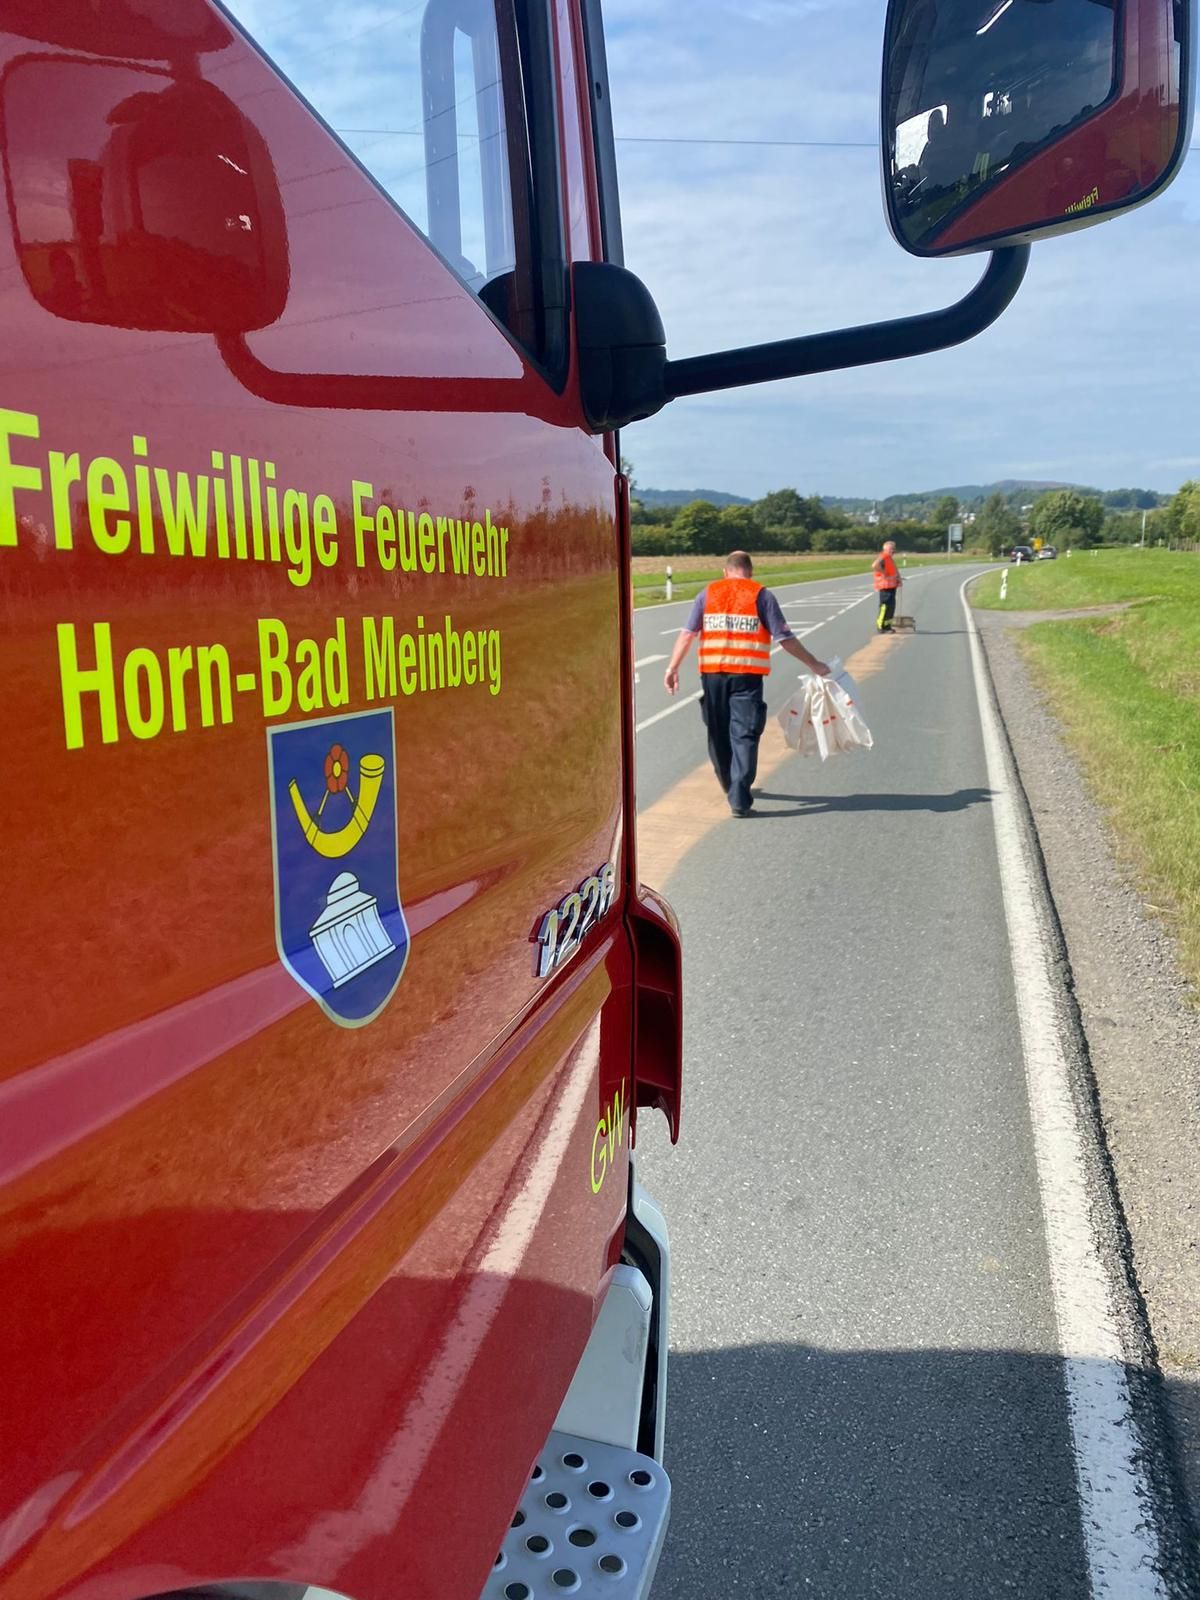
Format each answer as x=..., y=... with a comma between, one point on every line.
x=844, y=726
x=796, y=721
x=822, y=718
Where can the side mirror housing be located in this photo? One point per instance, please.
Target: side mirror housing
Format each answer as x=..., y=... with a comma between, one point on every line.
x=1007, y=121
x=140, y=199
x=622, y=346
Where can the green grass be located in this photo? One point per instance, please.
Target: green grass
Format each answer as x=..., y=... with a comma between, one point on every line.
x=1091, y=578
x=649, y=588
x=1127, y=688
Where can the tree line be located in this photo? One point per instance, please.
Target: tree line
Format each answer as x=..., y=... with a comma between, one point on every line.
x=786, y=521
x=782, y=521
x=1071, y=519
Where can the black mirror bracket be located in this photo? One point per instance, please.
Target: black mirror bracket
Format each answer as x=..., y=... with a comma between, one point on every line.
x=622, y=346
x=625, y=376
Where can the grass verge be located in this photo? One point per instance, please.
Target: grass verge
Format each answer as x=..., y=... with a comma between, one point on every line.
x=1127, y=688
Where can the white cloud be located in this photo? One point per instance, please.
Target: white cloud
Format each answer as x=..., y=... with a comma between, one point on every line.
x=1086, y=375
x=1090, y=375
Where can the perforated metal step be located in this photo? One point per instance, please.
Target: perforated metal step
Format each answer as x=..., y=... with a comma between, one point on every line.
x=590, y=1524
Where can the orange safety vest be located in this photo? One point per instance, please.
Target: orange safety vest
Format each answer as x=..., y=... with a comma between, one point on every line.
x=733, y=637
x=887, y=577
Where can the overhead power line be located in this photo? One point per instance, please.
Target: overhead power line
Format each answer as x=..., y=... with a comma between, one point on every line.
x=647, y=138
x=785, y=144
x=775, y=144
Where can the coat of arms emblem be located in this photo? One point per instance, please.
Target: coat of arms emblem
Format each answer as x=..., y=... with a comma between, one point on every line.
x=339, y=924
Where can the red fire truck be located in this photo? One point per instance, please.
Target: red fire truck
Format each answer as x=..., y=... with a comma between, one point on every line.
x=332, y=990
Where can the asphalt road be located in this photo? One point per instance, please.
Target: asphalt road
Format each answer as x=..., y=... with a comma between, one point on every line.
x=866, y=1397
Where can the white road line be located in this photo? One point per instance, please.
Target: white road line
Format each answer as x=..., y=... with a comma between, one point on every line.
x=776, y=588
x=660, y=605
x=647, y=661
x=1116, y=1506
x=806, y=598
x=677, y=705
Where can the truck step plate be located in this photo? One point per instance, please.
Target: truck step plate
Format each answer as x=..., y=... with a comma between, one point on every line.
x=590, y=1523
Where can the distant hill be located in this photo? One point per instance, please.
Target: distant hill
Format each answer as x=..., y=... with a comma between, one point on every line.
x=1017, y=491
x=684, y=497
x=967, y=494
x=970, y=496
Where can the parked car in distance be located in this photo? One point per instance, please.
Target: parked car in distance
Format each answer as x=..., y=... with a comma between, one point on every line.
x=1047, y=553
x=1019, y=553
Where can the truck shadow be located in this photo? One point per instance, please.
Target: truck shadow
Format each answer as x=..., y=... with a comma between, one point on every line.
x=807, y=805
x=924, y=1474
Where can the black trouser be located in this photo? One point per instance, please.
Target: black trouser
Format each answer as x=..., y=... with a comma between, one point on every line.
x=735, y=715
x=887, y=608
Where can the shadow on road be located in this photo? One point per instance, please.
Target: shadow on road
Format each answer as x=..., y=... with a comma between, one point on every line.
x=807, y=805
x=903, y=1475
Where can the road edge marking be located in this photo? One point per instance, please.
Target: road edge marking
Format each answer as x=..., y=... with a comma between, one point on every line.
x=1117, y=1508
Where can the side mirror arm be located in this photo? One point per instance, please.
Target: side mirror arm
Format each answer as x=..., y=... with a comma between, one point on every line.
x=858, y=347
x=625, y=374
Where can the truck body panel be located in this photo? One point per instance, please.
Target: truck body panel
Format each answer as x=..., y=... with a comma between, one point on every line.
x=279, y=1288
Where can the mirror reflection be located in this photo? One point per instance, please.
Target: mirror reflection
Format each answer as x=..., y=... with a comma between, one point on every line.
x=140, y=200
x=975, y=88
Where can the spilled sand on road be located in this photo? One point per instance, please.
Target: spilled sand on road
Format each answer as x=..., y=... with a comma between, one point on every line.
x=693, y=807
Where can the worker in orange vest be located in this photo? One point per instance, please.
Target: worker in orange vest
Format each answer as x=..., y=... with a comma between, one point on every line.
x=736, y=621
x=887, y=584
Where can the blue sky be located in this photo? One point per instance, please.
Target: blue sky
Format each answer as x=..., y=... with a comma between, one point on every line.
x=1092, y=375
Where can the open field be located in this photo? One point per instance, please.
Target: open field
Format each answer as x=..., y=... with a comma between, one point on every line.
x=1127, y=688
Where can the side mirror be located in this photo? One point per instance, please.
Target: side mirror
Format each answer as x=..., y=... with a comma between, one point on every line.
x=1006, y=121
x=141, y=199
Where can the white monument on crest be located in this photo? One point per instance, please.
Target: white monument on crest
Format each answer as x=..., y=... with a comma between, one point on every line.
x=349, y=935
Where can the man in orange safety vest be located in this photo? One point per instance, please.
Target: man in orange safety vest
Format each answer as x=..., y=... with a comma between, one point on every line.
x=736, y=621
x=887, y=585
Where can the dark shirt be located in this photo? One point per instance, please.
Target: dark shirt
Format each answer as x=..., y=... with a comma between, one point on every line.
x=769, y=614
